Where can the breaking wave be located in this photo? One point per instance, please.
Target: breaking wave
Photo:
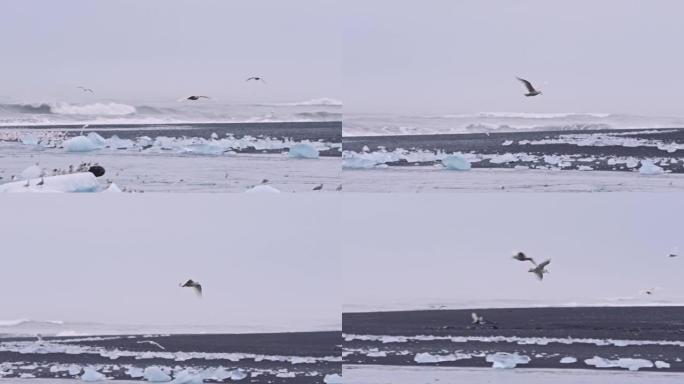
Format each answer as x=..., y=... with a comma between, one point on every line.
x=378, y=125
x=320, y=102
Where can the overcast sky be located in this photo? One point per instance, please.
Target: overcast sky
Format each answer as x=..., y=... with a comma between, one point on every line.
x=164, y=49
x=441, y=56
x=268, y=263
x=410, y=252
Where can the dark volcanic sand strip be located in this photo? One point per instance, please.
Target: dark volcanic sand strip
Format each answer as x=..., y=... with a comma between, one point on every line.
x=328, y=131
x=621, y=323
x=302, y=344
x=492, y=144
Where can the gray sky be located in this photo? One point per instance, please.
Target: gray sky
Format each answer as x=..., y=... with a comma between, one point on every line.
x=444, y=56
x=263, y=261
x=408, y=252
x=161, y=49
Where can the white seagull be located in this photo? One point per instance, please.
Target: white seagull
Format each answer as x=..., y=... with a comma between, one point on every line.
x=540, y=269
x=530, y=89
x=477, y=319
x=193, y=284
x=151, y=342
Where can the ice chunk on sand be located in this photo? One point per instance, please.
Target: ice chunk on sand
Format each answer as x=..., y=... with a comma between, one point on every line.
x=648, y=168
x=29, y=139
x=96, y=139
x=507, y=142
x=31, y=172
x=155, y=374
x=332, y=379
x=187, y=377
x=505, y=158
x=426, y=357
x=74, y=182
x=568, y=360
x=358, y=163
x=91, y=374
x=303, y=151
x=112, y=188
x=627, y=363
x=80, y=144
x=262, y=189
x=204, y=149
x=661, y=364
x=506, y=360
x=135, y=372
x=456, y=162
x=237, y=374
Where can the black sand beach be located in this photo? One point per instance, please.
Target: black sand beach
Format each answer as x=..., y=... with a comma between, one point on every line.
x=654, y=324
x=492, y=143
x=323, y=346
x=329, y=132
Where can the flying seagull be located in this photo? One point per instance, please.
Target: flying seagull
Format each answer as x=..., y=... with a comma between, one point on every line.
x=522, y=257
x=84, y=89
x=151, y=342
x=256, y=78
x=193, y=98
x=530, y=89
x=318, y=187
x=477, y=319
x=540, y=269
x=193, y=284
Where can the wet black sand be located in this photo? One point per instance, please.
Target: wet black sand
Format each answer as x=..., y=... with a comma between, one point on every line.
x=623, y=323
x=304, y=344
x=492, y=144
x=329, y=132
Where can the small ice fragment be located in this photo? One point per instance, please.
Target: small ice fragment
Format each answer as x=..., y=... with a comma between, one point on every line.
x=332, y=379
x=303, y=151
x=507, y=142
x=238, y=374
x=649, y=168
x=29, y=139
x=89, y=374
x=187, y=377
x=80, y=144
x=155, y=375
x=568, y=360
x=135, y=372
x=661, y=364
x=456, y=162
x=506, y=360
x=112, y=188
x=262, y=189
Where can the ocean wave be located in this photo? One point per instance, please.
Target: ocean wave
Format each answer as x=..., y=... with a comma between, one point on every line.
x=27, y=322
x=319, y=102
x=378, y=124
x=102, y=109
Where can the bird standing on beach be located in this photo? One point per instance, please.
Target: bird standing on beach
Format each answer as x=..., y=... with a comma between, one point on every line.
x=530, y=89
x=540, y=269
x=522, y=257
x=193, y=284
x=256, y=78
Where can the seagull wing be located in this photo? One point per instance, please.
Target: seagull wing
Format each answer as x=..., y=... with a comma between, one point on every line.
x=198, y=289
x=531, y=260
x=263, y=81
x=528, y=85
x=206, y=97
x=544, y=264
x=187, y=283
x=250, y=78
